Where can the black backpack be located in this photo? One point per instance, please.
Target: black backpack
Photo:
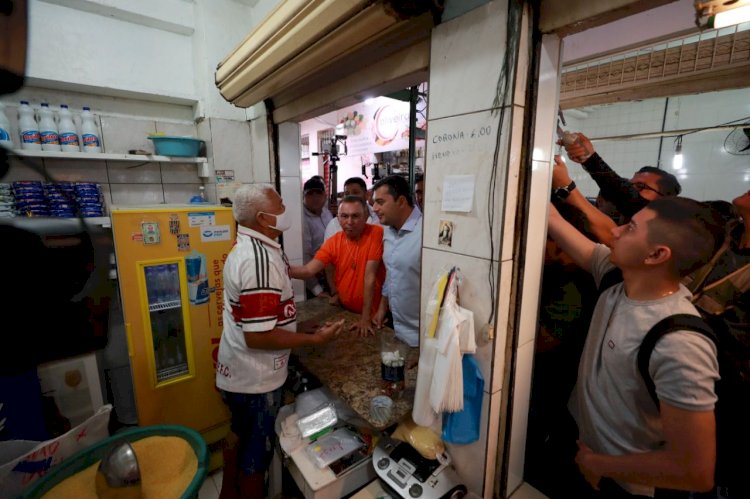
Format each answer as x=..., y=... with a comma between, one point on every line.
x=732, y=407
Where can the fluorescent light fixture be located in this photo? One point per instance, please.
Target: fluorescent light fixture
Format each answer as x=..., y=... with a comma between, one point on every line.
x=677, y=161
x=716, y=14
x=731, y=17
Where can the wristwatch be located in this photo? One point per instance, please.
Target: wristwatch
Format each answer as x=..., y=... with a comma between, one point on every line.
x=564, y=192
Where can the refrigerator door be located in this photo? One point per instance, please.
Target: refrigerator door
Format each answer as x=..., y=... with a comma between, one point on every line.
x=170, y=264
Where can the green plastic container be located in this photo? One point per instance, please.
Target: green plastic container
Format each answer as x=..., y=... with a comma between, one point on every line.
x=85, y=458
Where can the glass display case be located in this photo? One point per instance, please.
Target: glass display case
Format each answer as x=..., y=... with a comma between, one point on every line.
x=167, y=322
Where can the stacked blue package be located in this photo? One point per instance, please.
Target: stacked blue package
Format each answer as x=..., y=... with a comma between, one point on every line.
x=61, y=199
x=30, y=199
x=89, y=199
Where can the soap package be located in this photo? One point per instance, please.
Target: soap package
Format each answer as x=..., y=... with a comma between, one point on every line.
x=333, y=446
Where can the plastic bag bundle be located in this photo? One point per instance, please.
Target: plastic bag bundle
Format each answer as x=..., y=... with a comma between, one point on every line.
x=449, y=334
x=447, y=388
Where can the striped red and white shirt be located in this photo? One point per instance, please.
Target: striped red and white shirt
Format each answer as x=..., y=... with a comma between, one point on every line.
x=258, y=297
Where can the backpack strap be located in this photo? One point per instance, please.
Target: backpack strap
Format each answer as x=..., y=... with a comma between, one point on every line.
x=677, y=322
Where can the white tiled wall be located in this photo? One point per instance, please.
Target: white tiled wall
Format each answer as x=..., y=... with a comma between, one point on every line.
x=466, y=55
x=709, y=171
x=291, y=192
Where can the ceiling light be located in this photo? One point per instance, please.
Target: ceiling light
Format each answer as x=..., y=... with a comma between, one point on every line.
x=715, y=14
x=677, y=159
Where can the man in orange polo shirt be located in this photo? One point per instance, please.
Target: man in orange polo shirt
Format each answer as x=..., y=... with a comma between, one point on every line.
x=356, y=252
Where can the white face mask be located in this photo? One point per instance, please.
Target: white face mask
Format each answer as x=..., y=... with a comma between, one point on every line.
x=283, y=221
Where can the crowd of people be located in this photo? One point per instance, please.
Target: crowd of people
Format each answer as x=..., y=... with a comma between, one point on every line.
x=596, y=429
x=599, y=425
x=366, y=259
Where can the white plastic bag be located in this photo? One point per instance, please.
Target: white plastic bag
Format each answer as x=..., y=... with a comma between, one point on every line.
x=17, y=474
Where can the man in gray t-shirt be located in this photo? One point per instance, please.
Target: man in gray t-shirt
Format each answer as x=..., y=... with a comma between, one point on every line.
x=625, y=443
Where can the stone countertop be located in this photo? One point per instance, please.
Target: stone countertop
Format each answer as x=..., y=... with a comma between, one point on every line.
x=350, y=365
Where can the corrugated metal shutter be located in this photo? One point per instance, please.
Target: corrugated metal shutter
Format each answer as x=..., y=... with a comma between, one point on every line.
x=309, y=54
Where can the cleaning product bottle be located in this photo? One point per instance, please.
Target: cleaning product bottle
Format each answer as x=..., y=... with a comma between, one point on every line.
x=29, y=130
x=67, y=131
x=89, y=132
x=5, y=140
x=48, y=129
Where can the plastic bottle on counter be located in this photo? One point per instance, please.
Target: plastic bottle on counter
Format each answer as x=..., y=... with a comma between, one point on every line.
x=89, y=132
x=5, y=140
x=48, y=129
x=67, y=131
x=28, y=128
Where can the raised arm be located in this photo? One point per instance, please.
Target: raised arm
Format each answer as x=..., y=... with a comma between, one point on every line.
x=600, y=224
x=616, y=189
x=576, y=245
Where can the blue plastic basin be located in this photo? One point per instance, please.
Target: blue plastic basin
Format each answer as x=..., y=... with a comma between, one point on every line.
x=176, y=146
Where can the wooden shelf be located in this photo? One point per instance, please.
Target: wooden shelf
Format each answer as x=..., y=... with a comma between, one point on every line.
x=152, y=158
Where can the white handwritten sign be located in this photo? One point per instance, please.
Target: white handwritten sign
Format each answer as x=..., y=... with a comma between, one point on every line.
x=458, y=193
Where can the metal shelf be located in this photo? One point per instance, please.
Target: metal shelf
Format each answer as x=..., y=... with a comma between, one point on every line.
x=150, y=158
x=166, y=305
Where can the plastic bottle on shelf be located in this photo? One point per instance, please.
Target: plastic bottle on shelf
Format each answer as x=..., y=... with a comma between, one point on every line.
x=5, y=140
x=174, y=283
x=28, y=128
x=202, y=193
x=151, y=285
x=48, y=129
x=89, y=132
x=67, y=131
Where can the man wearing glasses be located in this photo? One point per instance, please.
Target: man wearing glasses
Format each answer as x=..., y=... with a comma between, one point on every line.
x=628, y=196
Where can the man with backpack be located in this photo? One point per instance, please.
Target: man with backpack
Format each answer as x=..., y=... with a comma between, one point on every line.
x=721, y=293
x=627, y=445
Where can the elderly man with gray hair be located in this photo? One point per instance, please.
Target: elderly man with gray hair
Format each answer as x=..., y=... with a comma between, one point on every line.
x=259, y=331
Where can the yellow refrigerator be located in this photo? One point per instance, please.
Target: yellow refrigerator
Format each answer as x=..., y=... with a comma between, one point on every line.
x=170, y=262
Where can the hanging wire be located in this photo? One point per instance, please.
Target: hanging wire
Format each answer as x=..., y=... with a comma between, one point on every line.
x=502, y=92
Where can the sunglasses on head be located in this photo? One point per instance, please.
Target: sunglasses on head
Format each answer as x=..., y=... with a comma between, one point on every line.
x=640, y=186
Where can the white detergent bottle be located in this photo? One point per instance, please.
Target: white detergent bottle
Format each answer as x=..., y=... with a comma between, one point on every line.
x=5, y=140
x=48, y=129
x=67, y=130
x=28, y=128
x=89, y=132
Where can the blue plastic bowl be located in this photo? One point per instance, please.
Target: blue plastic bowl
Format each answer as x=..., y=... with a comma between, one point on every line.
x=187, y=147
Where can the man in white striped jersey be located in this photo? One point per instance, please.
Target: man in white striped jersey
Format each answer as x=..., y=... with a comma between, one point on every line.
x=259, y=331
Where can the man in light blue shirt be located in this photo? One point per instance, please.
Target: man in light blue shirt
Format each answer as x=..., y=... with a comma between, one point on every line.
x=402, y=255
x=316, y=218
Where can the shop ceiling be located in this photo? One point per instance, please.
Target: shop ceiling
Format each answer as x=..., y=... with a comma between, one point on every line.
x=309, y=57
x=685, y=60
x=715, y=60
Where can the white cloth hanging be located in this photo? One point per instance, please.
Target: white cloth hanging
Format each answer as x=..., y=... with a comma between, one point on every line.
x=440, y=376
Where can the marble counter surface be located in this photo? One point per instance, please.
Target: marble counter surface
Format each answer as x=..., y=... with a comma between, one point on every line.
x=350, y=366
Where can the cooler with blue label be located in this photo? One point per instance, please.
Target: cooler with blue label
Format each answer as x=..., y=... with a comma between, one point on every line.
x=170, y=263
